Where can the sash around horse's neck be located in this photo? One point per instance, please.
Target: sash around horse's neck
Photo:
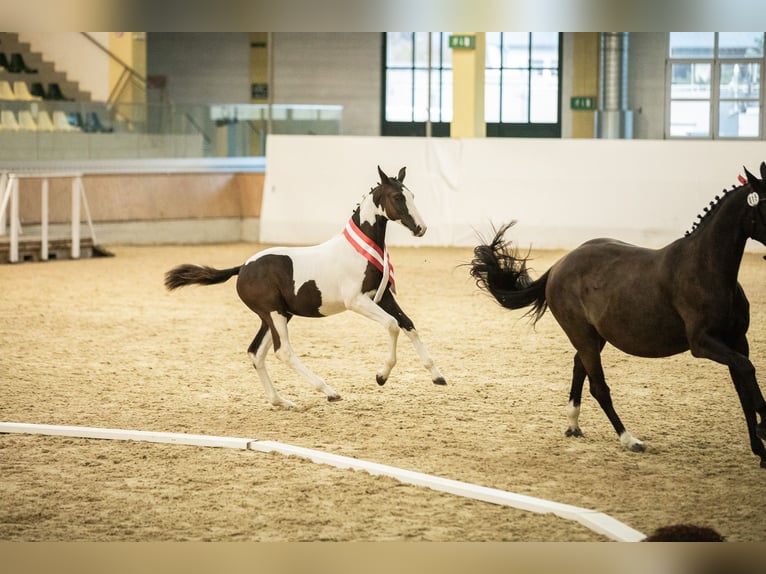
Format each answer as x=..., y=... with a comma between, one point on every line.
x=377, y=255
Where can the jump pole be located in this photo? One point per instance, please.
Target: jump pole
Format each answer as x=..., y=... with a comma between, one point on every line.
x=595, y=521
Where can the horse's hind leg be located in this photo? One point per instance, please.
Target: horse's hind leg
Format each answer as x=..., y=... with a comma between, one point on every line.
x=286, y=354
x=258, y=350
x=390, y=306
x=575, y=394
x=589, y=351
x=575, y=397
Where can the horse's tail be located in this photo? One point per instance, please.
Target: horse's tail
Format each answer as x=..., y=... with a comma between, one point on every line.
x=498, y=269
x=188, y=274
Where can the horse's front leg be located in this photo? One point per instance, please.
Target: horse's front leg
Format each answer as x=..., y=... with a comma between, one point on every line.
x=391, y=306
x=743, y=376
x=367, y=308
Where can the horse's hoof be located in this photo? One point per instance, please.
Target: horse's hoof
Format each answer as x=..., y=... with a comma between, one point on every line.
x=334, y=398
x=380, y=380
x=575, y=432
x=440, y=381
x=637, y=447
x=284, y=404
x=763, y=463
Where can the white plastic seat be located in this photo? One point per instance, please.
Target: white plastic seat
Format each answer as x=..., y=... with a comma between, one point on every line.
x=26, y=121
x=8, y=120
x=21, y=91
x=6, y=93
x=44, y=122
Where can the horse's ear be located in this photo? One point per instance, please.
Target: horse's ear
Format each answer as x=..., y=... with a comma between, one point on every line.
x=751, y=179
x=383, y=177
x=763, y=170
x=401, y=175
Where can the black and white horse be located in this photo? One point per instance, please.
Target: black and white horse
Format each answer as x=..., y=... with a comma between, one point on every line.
x=350, y=271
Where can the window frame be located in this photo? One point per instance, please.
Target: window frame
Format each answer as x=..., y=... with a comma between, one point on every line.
x=493, y=129
x=529, y=129
x=715, y=99
x=411, y=128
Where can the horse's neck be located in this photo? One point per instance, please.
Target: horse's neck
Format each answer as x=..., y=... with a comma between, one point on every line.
x=369, y=220
x=720, y=240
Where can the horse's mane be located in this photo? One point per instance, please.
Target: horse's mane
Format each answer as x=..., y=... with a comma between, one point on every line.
x=703, y=217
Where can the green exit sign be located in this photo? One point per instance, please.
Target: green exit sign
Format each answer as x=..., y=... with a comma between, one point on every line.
x=462, y=41
x=583, y=102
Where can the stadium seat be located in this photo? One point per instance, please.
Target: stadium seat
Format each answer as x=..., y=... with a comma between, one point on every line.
x=4, y=64
x=93, y=124
x=54, y=93
x=21, y=91
x=8, y=121
x=44, y=122
x=37, y=89
x=17, y=65
x=26, y=121
x=6, y=92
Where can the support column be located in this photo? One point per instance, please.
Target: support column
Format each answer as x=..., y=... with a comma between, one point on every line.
x=584, y=80
x=130, y=49
x=468, y=89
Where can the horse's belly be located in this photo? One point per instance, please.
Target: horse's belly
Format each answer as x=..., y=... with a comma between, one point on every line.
x=644, y=335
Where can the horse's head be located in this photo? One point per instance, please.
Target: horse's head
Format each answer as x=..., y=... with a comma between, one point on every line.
x=756, y=199
x=398, y=203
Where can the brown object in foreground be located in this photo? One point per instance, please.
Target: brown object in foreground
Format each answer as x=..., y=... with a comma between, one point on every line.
x=684, y=533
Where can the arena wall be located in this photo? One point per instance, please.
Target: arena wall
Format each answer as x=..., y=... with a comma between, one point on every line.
x=562, y=192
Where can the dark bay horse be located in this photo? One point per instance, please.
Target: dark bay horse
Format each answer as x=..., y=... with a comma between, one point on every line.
x=646, y=302
x=351, y=270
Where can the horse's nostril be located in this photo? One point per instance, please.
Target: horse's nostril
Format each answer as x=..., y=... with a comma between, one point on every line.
x=421, y=231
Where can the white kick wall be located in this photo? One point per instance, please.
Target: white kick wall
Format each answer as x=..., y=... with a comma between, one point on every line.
x=562, y=192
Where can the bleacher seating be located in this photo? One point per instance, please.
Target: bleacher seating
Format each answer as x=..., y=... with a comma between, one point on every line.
x=39, y=100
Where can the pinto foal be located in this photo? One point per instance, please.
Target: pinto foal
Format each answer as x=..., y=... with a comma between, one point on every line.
x=350, y=271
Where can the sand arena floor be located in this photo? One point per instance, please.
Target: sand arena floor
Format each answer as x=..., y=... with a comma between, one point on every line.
x=100, y=343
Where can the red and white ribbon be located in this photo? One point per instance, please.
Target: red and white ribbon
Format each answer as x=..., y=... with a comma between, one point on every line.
x=372, y=253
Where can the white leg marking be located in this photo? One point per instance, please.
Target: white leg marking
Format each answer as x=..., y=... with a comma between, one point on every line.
x=631, y=443
x=367, y=308
x=286, y=354
x=425, y=356
x=573, y=414
x=259, y=362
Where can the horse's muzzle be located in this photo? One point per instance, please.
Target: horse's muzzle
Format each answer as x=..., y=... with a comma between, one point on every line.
x=419, y=231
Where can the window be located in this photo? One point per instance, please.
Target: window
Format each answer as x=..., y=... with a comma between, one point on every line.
x=714, y=81
x=405, y=106
x=522, y=84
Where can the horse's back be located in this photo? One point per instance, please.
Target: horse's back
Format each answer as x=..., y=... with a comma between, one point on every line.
x=621, y=290
x=308, y=278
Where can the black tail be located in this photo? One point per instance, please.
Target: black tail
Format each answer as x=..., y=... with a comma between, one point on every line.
x=499, y=269
x=188, y=274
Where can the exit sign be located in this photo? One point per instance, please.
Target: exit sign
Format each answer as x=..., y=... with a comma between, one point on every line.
x=583, y=102
x=462, y=41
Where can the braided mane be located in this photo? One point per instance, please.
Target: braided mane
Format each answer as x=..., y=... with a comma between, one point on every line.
x=703, y=217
